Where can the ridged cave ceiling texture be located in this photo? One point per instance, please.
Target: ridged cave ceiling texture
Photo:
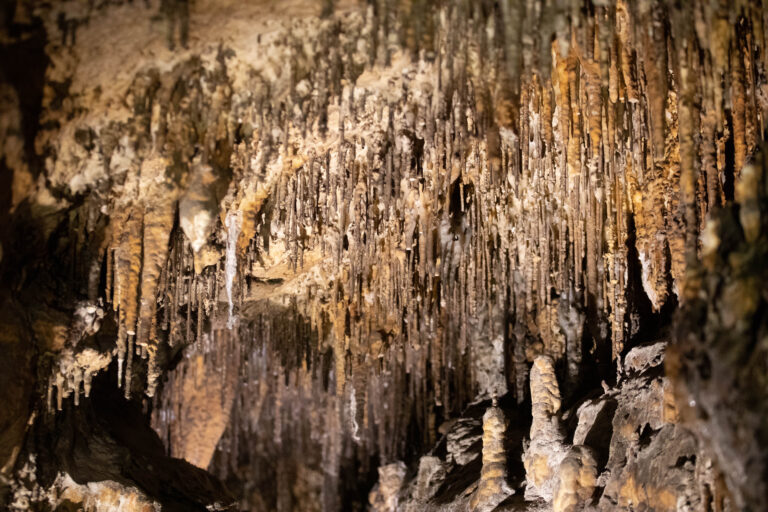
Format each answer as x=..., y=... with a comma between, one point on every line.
x=386, y=254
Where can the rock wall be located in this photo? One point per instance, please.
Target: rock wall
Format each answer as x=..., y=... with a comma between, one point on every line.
x=308, y=236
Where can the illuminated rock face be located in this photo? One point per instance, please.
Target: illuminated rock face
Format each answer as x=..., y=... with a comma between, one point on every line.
x=314, y=241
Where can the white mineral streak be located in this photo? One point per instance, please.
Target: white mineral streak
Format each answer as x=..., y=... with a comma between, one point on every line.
x=352, y=415
x=230, y=265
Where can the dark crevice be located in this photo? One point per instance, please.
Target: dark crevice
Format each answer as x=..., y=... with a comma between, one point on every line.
x=23, y=64
x=645, y=324
x=729, y=172
x=108, y=437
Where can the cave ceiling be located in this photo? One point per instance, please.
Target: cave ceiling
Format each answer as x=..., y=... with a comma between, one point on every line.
x=385, y=254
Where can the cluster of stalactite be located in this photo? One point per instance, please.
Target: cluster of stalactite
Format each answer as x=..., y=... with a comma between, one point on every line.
x=458, y=188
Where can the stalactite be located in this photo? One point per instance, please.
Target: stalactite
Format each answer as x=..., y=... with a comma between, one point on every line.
x=158, y=223
x=127, y=266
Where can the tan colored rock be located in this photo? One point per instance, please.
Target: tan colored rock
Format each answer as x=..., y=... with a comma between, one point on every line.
x=545, y=396
x=385, y=495
x=594, y=426
x=198, y=208
x=645, y=357
x=657, y=476
x=101, y=496
x=492, y=488
x=488, y=352
x=402, y=170
x=195, y=407
x=546, y=447
x=158, y=222
x=577, y=478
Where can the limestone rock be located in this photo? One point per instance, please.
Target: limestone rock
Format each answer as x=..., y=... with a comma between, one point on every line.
x=385, y=496
x=658, y=475
x=716, y=364
x=642, y=358
x=546, y=447
x=431, y=474
x=198, y=207
x=577, y=479
x=595, y=426
x=492, y=488
x=462, y=437
x=301, y=235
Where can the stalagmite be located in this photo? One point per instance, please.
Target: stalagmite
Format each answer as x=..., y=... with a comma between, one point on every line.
x=546, y=448
x=577, y=479
x=127, y=265
x=492, y=488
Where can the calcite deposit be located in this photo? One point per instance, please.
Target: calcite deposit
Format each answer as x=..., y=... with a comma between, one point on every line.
x=387, y=254
x=492, y=488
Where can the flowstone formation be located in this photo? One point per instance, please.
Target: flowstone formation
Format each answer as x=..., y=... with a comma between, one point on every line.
x=397, y=254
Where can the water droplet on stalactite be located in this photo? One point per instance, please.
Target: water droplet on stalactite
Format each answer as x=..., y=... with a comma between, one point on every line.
x=233, y=222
